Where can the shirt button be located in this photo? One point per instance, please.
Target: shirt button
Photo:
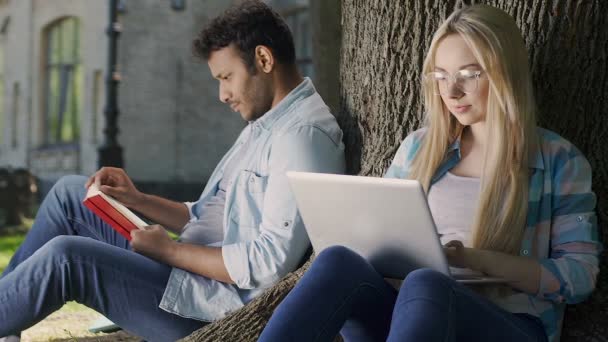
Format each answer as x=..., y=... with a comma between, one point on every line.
x=525, y=252
x=579, y=219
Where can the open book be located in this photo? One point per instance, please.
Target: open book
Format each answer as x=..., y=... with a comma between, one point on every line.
x=112, y=212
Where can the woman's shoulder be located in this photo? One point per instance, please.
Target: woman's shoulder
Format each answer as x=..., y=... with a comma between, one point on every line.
x=558, y=151
x=402, y=159
x=414, y=138
x=417, y=134
x=554, y=144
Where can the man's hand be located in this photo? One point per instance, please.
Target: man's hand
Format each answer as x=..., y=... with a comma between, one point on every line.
x=153, y=242
x=115, y=182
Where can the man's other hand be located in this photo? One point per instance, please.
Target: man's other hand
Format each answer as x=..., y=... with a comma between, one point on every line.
x=153, y=242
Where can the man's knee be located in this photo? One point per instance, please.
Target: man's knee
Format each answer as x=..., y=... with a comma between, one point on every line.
x=70, y=181
x=69, y=186
x=63, y=247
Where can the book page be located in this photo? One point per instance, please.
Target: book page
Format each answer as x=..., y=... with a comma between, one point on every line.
x=94, y=191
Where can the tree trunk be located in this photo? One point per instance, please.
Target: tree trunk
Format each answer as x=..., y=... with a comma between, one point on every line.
x=383, y=48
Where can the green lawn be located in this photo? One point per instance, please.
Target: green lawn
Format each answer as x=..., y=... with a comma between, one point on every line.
x=8, y=246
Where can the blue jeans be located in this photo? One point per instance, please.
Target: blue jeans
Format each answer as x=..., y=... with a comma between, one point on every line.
x=70, y=254
x=342, y=293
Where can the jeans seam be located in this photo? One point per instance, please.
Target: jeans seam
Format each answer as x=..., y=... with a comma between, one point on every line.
x=91, y=228
x=358, y=288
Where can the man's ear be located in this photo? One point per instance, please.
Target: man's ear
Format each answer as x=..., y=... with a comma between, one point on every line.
x=264, y=59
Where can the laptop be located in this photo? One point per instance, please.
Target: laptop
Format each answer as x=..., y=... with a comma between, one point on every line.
x=387, y=221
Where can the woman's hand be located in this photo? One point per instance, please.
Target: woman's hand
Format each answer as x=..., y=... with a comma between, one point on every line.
x=115, y=182
x=455, y=253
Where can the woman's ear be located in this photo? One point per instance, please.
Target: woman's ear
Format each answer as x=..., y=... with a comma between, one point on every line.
x=264, y=59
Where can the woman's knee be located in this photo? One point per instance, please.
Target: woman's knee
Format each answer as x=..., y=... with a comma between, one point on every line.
x=425, y=277
x=339, y=256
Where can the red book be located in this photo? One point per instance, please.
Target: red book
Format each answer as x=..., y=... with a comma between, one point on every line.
x=112, y=212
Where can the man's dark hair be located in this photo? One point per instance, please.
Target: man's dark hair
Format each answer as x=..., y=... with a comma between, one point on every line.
x=247, y=25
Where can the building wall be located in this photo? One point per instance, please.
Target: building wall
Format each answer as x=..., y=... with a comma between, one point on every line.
x=17, y=48
x=173, y=126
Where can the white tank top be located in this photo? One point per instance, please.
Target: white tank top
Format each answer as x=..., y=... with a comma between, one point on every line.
x=453, y=200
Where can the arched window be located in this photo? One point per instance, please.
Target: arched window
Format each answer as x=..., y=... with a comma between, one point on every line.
x=64, y=82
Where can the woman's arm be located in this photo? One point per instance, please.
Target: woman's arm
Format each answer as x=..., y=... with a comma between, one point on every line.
x=522, y=273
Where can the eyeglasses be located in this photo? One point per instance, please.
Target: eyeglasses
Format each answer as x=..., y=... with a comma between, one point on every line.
x=465, y=80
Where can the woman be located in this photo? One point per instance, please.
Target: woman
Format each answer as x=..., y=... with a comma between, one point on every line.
x=511, y=200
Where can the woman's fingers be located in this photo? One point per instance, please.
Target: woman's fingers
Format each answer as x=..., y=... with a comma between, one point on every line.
x=454, y=244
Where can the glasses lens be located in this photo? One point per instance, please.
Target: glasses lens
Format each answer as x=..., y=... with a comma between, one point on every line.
x=466, y=80
x=437, y=81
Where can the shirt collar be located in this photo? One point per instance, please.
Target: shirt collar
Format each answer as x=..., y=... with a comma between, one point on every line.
x=302, y=91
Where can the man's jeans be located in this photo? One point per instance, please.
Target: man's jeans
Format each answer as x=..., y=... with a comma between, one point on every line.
x=70, y=254
x=341, y=292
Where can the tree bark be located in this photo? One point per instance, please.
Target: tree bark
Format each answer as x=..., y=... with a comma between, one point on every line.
x=383, y=48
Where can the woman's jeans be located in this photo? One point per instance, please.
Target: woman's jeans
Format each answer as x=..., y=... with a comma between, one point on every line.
x=70, y=254
x=342, y=293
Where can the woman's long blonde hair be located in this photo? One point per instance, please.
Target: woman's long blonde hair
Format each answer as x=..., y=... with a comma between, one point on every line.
x=510, y=122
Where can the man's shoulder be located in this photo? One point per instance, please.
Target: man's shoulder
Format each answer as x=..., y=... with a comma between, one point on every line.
x=309, y=113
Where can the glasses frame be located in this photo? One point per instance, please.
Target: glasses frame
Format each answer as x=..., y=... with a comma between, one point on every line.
x=428, y=77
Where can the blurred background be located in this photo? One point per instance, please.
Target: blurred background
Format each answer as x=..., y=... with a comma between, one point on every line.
x=172, y=128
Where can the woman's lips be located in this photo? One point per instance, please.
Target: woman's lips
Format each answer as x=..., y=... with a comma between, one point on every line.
x=461, y=109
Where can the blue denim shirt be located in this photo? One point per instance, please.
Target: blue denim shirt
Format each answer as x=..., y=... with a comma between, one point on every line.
x=264, y=237
x=561, y=230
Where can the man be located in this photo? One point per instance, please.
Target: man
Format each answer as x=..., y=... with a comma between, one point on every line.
x=241, y=236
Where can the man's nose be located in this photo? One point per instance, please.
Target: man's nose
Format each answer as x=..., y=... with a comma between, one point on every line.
x=224, y=94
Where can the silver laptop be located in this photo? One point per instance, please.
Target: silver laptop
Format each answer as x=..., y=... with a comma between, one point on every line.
x=387, y=221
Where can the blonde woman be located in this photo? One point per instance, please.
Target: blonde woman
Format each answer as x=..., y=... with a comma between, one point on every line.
x=511, y=200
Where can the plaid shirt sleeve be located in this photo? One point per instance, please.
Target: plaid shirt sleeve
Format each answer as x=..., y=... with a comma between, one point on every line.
x=569, y=273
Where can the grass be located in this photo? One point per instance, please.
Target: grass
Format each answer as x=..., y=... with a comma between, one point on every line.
x=10, y=239
x=8, y=247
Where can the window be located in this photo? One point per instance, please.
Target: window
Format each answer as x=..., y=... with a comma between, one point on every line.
x=64, y=82
x=297, y=15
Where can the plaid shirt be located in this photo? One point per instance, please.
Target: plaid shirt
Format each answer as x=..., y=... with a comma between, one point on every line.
x=561, y=230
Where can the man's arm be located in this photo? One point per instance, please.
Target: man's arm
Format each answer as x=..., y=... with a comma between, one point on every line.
x=156, y=244
x=170, y=214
